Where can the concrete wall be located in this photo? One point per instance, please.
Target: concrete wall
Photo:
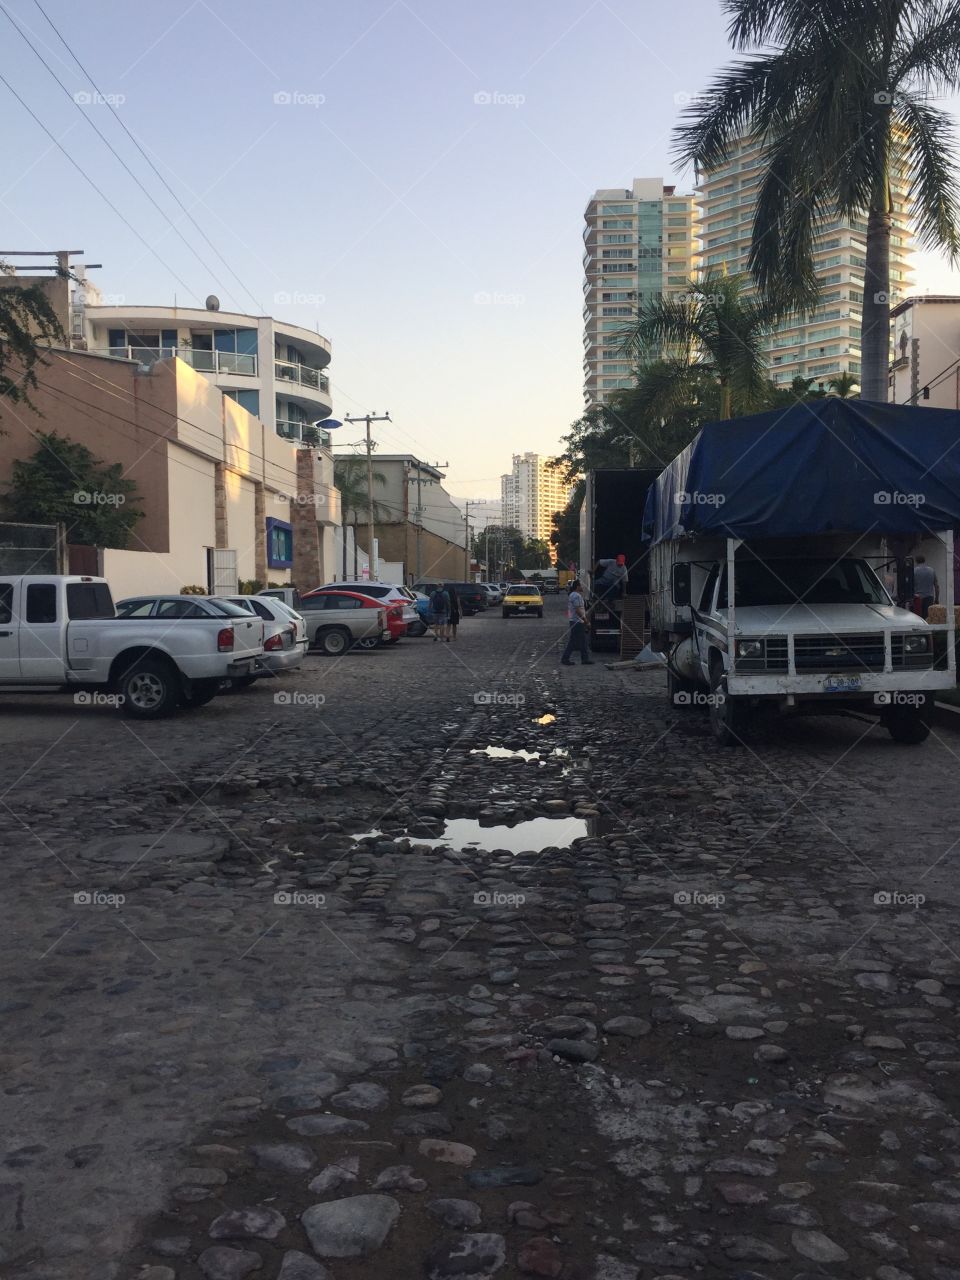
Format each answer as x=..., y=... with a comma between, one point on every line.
x=438, y=557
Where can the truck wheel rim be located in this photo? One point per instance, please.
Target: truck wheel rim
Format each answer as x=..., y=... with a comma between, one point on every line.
x=145, y=691
x=334, y=644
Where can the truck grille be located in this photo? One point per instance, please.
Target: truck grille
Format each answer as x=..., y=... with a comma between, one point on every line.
x=836, y=653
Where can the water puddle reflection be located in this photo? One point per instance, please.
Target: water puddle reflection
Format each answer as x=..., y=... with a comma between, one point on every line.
x=508, y=753
x=532, y=836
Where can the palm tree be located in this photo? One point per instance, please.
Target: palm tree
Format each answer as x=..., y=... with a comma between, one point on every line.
x=350, y=477
x=843, y=385
x=803, y=388
x=839, y=98
x=712, y=334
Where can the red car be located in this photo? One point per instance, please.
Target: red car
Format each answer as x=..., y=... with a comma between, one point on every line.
x=394, y=611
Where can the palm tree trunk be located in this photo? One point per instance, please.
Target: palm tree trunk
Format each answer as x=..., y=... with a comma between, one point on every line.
x=726, y=399
x=875, y=328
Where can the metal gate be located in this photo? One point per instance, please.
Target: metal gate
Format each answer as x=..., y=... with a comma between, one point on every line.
x=222, y=572
x=32, y=548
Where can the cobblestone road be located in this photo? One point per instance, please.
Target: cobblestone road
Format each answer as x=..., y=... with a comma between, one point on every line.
x=265, y=1012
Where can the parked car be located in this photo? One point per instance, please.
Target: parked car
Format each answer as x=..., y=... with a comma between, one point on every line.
x=61, y=633
x=493, y=591
x=393, y=609
x=472, y=596
x=550, y=586
x=162, y=608
x=289, y=595
x=336, y=621
x=284, y=633
x=386, y=592
x=523, y=597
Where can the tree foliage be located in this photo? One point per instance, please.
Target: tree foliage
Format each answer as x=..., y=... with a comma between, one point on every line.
x=28, y=323
x=64, y=483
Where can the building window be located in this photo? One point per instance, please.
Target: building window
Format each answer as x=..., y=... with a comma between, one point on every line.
x=279, y=544
x=249, y=400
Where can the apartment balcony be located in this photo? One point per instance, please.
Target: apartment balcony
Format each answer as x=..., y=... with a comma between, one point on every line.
x=301, y=375
x=231, y=362
x=293, y=430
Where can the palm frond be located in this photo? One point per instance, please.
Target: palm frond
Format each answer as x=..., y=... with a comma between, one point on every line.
x=928, y=48
x=925, y=142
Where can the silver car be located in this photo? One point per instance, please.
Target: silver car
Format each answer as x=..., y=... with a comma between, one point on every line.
x=284, y=633
x=337, y=621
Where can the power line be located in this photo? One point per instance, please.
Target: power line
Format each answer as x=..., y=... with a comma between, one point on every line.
x=105, y=98
x=86, y=177
x=109, y=145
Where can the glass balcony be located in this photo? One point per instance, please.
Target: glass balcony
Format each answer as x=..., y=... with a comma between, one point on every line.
x=201, y=360
x=293, y=430
x=301, y=374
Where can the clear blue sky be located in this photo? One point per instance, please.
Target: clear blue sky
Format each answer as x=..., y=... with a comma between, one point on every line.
x=391, y=204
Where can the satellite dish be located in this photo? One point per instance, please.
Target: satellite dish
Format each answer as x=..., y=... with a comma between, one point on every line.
x=212, y=303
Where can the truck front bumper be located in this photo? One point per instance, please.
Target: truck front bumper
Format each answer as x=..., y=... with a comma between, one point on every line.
x=865, y=684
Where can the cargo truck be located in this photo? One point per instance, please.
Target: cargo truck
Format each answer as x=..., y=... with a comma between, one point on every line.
x=771, y=542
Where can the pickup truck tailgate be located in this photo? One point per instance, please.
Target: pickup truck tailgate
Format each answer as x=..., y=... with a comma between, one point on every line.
x=247, y=636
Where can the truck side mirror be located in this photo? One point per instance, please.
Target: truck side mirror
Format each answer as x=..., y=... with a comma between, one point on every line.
x=680, y=587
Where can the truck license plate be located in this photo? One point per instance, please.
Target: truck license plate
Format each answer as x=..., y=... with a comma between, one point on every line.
x=841, y=684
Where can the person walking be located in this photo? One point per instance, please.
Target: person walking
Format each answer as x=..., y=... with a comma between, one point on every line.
x=440, y=608
x=577, y=621
x=925, y=585
x=456, y=613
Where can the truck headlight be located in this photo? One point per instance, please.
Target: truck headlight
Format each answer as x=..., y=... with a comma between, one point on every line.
x=749, y=648
x=916, y=644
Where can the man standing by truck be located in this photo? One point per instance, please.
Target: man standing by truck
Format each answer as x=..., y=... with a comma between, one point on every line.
x=925, y=585
x=577, y=622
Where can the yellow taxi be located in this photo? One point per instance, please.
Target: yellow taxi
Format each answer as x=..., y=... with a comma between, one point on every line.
x=522, y=597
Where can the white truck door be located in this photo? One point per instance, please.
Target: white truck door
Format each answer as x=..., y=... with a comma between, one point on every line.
x=9, y=639
x=42, y=634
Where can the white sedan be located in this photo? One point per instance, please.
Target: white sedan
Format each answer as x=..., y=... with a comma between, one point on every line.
x=284, y=633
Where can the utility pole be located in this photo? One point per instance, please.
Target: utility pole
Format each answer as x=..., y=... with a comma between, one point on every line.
x=470, y=502
x=368, y=418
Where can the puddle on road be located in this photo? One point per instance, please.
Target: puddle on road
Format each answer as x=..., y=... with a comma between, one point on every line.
x=506, y=753
x=532, y=836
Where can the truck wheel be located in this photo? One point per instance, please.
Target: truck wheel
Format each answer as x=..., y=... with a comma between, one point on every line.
x=907, y=725
x=728, y=716
x=201, y=692
x=150, y=689
x=334, y=642
x=368, y=642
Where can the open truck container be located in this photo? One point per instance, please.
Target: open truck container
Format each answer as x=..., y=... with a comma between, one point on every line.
x=610, y=525
x=771, y=538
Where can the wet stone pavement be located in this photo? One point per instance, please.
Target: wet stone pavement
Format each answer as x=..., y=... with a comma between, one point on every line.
x=282, y=998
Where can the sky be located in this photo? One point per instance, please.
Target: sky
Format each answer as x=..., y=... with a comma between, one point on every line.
x=408, y=177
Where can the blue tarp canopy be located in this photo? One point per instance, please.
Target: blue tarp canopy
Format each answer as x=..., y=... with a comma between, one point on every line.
x=830, y=465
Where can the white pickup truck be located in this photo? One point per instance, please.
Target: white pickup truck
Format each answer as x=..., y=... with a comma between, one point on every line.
x=61, y=634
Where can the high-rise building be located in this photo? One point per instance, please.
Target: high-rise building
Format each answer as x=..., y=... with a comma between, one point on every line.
x=825, y=342
x=639, y=243
x=531, y=493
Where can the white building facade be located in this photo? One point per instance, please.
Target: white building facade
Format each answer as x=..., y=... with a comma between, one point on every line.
x=274, y=370
x=530, y=494
x=639, y=244
x=926, y=352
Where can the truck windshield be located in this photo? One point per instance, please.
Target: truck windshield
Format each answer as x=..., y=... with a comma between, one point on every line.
x=814, y=581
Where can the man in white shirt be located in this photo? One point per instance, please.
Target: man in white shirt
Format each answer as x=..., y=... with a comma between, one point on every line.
x=577, y=620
